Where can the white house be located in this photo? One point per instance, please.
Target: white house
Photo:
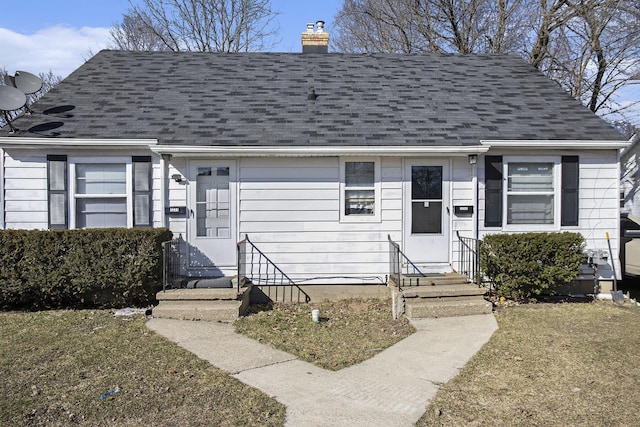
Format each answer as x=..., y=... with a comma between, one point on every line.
x=317, y=157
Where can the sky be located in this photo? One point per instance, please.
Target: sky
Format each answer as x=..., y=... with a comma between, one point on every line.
x=59, y=35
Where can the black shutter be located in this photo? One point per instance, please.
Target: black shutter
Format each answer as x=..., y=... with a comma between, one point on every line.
x=493, y=191
x=57, y=191
x=569, y=192
x=142, y=203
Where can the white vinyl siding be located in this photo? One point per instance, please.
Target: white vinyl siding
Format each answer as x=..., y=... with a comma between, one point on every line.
x=291, y=210
x=25, y=191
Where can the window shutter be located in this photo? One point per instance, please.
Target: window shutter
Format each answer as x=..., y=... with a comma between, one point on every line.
x=141, y=191
x=569, y=193
x=57, y=191
x=493, y=191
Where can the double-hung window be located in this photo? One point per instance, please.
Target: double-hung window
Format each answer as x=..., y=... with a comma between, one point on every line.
x=101, y=195
x=103, y=192
x=540, y=193
x=360, y=190
x=530, y=193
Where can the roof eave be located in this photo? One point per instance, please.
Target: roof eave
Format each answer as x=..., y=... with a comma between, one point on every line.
x=76, y=143
x=295, y=151
x=533, y=144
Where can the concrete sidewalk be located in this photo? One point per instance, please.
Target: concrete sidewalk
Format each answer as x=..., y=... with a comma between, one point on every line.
x=390, y=389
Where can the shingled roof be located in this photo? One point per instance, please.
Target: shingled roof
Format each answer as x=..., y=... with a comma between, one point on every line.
x=262, y=99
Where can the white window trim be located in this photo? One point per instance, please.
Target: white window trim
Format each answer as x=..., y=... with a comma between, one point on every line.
x=73, y=195
x=557, y=194
x=376, y=186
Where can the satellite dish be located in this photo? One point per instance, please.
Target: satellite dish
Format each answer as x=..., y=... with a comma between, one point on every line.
x=9, y=80
x=28, y=83
x=11, y=99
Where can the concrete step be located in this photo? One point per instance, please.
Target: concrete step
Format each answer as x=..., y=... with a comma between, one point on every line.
x=212, y=304
x=430, y=280
x=439, y=291
x=446, y=307
x=219, y=310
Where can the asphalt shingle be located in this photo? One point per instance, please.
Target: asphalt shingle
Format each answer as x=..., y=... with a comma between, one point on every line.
x=254, y=99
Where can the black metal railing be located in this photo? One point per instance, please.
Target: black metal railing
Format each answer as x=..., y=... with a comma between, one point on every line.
x=255, y=267
x=400, y=267
x=170, y=263
x=469, y=258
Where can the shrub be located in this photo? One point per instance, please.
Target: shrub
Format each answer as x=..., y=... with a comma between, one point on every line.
x=523, y=266
x=80, y=268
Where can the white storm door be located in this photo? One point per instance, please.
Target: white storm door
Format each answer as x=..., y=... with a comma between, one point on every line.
x=426, y=211
x=212, y=215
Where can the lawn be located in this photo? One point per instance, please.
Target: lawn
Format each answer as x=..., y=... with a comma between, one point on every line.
x=58, y=367
x=549, y=364
x=349, y=331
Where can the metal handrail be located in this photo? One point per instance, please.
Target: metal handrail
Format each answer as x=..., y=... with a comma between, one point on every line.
x=397, y=259
x=170, y=263
x=265, y=274
x=469, y=258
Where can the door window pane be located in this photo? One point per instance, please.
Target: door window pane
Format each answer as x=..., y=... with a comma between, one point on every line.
x=426, y=199
x=213, y=202
x=426, y=182
x=426, y=217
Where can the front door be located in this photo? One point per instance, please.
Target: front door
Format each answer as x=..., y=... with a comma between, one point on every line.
x=426, y=226
x=212, y=216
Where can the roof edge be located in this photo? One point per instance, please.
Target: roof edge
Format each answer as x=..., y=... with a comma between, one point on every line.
x=561, y=144
x=253, y=151
x=76, y=143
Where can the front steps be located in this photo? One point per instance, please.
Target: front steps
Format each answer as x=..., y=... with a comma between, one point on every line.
x=445, y=295
x=212, y=304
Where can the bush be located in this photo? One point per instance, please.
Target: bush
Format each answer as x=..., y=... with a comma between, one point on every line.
x=80, y=268
x=524, y=266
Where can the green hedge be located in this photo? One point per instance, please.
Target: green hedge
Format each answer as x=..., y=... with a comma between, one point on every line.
x=112, y=267
x=524, y=266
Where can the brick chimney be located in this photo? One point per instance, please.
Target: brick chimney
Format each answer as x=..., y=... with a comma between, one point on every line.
x=315, y=39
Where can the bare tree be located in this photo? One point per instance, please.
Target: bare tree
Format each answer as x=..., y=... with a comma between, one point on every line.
x=590, y=47
x=460, y=26
x=134, y=34
x=197, y=25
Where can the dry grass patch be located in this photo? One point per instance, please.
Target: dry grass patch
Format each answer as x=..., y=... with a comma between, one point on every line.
x=349, y=331
x=549, y=364
x=57, y=364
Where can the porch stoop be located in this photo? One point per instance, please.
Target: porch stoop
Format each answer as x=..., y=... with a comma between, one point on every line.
x=213, y=304
x=446, y=295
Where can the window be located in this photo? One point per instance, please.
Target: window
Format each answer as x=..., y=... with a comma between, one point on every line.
x=530, y=193
x=57, y=190
x=142, y=191
x=359, y=189
x=101, y=195
x=539, y=193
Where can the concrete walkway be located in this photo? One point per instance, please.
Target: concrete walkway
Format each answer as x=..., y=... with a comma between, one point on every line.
x=390, y=389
